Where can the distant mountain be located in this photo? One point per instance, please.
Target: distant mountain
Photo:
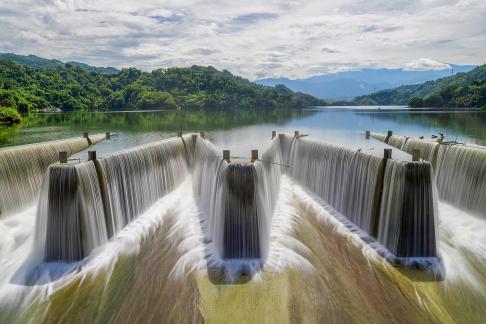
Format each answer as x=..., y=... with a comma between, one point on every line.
x=460, y=90
x=350, y=84
x=43, y=63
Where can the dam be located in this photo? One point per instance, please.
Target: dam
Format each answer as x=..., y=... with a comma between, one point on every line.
x=230, y=214
x=82, y=205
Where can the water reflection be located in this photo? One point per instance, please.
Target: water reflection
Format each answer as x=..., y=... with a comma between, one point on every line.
x=249, y=129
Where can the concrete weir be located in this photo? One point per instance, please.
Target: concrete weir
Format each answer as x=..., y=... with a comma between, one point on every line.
x=23, y=167
x=388, y=202
x=460, y=171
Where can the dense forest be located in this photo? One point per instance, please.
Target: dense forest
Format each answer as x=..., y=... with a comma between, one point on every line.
x=466, y=90
x=72, y=88
x=34, y=61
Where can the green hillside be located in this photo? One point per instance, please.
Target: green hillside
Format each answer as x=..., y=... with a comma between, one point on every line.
x=70, y=88
x=42, y=63
x=460, y=90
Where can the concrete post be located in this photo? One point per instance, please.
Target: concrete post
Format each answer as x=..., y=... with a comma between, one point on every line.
x=63, y=157
x=367, y=134
x=387, y=154
x=107, y=135
x=254, y=155
x=92, y=155
x=179, y=134
x=415, y=155
x=274, y=133
x=296, y=133
x=226, y=155
x=202, y=134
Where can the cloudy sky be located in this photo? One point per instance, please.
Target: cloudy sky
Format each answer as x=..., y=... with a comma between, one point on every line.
x=255, y=39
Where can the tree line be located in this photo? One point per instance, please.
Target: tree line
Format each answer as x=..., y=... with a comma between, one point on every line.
x=72, y=88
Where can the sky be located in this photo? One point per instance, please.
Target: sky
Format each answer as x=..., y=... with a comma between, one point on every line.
x=254, y=39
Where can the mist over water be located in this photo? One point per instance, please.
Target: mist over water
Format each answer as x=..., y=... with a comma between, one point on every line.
x=164, y=259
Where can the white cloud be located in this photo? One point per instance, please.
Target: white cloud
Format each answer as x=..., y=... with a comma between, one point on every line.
x=251, y=38
x=423, y=64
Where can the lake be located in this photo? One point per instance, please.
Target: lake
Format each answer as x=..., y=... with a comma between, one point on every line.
x=246, y=130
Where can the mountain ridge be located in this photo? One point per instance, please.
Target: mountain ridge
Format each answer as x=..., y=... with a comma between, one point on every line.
x=349, y=84
x=38, y=62
x=465, y=89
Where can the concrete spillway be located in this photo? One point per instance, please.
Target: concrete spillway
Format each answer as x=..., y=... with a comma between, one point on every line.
x=392, y=202
x=460, y=171
x=22, y=169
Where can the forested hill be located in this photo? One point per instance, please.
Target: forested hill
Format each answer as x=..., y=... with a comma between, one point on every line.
x=459, y=90
x=43, y=63
x=70, y=87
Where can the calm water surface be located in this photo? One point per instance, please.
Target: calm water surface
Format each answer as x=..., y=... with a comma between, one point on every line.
x=248, y=130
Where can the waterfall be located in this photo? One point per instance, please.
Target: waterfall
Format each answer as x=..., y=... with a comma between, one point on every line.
x=345, y=179
x=460, y=171
x=268, y=171
x=408, y=210
x=461, y=177
x=379, y=136
x=84, y=204
x=389, y=200
x=241, y=239
x=237, y=200
x=428, y=149
x=70, y=216
x=132, y=180
x=22, y=169
x=397, y=141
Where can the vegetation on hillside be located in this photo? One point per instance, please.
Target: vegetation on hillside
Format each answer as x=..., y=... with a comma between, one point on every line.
x=467, y=96
x=43, y=63
x=459, y=90
x=73, y=88
x=9, y=116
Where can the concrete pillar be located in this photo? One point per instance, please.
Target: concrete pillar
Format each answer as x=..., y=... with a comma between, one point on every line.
x=415, y=155
x=92, y=155
x=179, y=134
x=296, y=133
x=254, y=155
x=367, y=134
x=107, y=135
x=274, y=133
x=63, y=157
x=387, y=154
x=226, y=155
x=85, y=135
x=202, y=134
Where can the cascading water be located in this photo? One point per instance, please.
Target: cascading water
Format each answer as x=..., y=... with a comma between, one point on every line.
x=343, y=178
x=397, y=141
x=134, y=179
x=70, y=216
x=428, y=149
x=461, y=177
x=84, y=204
x=268, y=171
x=22, y=169
x=460, y=171
x=356, y=184
x=241, y=239
x=408, y=210
x=237, y=201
